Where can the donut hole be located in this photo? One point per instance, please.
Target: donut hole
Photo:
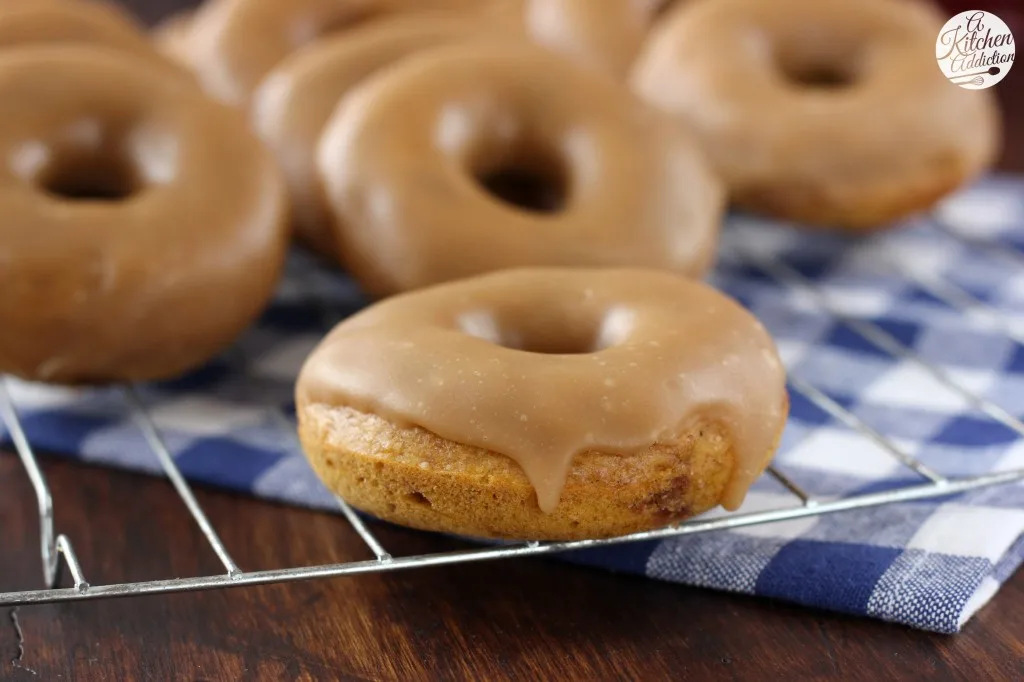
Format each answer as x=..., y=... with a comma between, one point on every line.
x=821, y=76
x=552, y=330
x=542, y=334
x=531, y=180
x=560, y=342
x=819, y=70
x=92, y=176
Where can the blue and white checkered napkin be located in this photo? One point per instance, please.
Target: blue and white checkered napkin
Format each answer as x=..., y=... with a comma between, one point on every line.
x=929, y=564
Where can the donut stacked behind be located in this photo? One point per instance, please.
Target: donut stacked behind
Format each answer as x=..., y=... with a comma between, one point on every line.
x=144, y=227
x=476, y=157
x=294, y=102
x=485, y=152
x=832, y=113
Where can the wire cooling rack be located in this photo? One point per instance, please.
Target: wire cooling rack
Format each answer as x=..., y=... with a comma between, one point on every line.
x=58, y=553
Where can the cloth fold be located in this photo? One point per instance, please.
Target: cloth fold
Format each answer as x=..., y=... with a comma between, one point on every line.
x=879, y=325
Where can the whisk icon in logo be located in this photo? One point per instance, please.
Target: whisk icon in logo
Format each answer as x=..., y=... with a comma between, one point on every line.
x=975, y=49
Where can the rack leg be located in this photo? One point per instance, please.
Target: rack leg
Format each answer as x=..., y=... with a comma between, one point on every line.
x=51, y=548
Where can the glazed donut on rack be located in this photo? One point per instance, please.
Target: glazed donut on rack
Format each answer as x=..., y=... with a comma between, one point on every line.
x=143, y=225
x=475, y=157
x=544, y=403
x=829, y=113
x=237, y=42
x=296, y=99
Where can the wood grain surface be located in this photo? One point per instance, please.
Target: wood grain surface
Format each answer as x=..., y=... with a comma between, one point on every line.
x=530, y=619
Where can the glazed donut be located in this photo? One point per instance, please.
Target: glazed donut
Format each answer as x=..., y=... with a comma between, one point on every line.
x=829, y=113
x=471, y=157
x=544, y=403
x=237, y=42
x=71, y=21
x=143, y=226
x=297, y=98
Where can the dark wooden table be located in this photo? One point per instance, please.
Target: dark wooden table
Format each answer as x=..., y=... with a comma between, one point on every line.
x=523, y=619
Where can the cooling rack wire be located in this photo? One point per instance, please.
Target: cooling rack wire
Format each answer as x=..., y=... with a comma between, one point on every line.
x=58, y=554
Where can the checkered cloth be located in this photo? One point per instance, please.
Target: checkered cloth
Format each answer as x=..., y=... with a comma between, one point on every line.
x=929, y=564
